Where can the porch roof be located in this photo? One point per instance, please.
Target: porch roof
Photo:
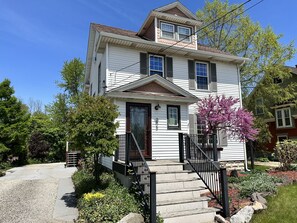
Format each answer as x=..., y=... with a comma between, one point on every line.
x=162, y=90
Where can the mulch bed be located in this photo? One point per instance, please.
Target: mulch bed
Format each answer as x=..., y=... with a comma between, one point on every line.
x=236, y=202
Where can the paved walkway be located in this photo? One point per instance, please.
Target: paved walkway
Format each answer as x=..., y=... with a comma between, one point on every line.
x=271, y=164
x=41, y=193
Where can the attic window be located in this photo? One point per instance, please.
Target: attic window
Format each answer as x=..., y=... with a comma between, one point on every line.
x=184, y=33
x=167, y=30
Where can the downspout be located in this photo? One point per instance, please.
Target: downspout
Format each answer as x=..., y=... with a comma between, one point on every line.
x=240, y=98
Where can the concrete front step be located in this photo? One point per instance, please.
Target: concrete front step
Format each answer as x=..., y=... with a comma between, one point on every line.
x=179, y=194
x=193, y=216
x=178, y=175
x=164, y=186
x=167, y=207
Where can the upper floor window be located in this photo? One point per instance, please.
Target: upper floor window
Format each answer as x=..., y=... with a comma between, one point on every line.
x=259, y=106
x=283, y=117
x=167, y=30
x=202, y=75
x=156, y=65
x=184, y=33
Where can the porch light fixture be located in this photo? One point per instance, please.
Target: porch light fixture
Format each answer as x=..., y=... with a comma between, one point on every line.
x=157, y=107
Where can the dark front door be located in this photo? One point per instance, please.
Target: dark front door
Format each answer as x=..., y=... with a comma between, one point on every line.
x=139, y=123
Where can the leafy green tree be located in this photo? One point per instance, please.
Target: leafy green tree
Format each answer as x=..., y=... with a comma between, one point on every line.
x=14, y=118
x=237, y=34
x=93, y=127
x=53, y=142
x=72, y=76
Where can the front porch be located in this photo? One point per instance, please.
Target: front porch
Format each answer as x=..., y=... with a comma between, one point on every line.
x=174, y=186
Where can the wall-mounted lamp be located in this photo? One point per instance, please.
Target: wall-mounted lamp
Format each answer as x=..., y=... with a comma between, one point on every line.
x=157, y=107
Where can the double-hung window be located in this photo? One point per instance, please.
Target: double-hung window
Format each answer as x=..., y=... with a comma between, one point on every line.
x=259, y=106
x=283, y=118
x=202, y=75
x=184, y=33
x=156, y=65
x=167, y=30
x=173, y=117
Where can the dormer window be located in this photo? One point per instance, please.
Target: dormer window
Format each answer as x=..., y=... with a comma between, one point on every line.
x=156, y=65
x=167, y=30
x=184, y=33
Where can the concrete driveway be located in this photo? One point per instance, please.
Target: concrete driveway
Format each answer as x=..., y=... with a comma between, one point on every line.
x=38, y=193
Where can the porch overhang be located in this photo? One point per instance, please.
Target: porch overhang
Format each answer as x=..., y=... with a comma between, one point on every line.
x=164, y=90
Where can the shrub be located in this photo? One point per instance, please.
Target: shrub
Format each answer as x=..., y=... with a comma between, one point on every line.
x=112, y=205
x=84, y=182
x=286, y=152
x=258, y=182
x=2, y=173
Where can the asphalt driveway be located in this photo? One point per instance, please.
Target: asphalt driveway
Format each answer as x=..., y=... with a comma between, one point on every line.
x=38, y=193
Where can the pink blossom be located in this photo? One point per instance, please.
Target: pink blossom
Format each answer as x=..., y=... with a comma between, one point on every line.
x=221, y=112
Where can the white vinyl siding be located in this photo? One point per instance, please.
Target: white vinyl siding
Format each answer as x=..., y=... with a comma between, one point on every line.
x=118, y=59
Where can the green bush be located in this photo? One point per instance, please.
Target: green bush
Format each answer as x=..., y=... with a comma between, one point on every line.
x=258, y=182
x=116, y=203
x=2, y=173
x=286, y=152
x=84, y=182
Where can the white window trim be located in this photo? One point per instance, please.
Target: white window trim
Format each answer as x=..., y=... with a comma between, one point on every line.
x=188, y=41
x=257, y=106
x=166, y=37
x=150, y=64
x=283, y=118
x=207, y=67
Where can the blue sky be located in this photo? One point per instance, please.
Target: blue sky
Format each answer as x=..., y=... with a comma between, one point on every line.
x=37, y=36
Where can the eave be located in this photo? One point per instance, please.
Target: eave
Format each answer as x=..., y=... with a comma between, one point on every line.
x=152, y=46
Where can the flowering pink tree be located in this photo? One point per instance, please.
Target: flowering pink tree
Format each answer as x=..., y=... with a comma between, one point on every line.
x=220, y=112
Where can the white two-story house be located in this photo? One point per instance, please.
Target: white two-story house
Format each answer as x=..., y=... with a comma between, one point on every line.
x=157, y=75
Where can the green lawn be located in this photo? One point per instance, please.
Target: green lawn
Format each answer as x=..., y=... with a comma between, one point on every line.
x=260, y=168
x=281, y=207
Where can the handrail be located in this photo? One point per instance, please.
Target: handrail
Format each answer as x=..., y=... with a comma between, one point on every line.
x=213, y=176
x=139, y=151
x=123, y=153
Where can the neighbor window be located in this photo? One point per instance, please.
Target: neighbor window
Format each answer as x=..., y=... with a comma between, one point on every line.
x=283, y=117
x=173, y=117
x=156, y=65
x=167, y=30
x=184, y=33
x=202, y=75
x=281, y=138
x=259, y=106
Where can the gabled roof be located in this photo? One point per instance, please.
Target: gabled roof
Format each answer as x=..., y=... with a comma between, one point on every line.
x=164, y=13
x=179, y=6
x=137, y=90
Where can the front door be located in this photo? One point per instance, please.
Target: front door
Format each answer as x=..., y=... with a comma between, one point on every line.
x=139, y=123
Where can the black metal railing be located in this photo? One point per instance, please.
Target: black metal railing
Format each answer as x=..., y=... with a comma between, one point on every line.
x=144, y=179
x=213, y=176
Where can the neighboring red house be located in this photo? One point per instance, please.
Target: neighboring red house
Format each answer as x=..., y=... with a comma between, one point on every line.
x=284, y=123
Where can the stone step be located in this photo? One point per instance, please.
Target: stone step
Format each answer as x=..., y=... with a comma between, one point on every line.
x=193, y=216
x=165, y=186
x=179, y=194
x=166, y=168
x=178, y=175
x=166, y=207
